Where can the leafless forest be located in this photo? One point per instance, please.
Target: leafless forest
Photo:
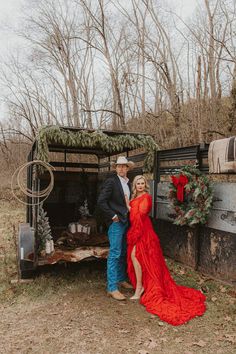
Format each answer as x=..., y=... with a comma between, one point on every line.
x=129, y=65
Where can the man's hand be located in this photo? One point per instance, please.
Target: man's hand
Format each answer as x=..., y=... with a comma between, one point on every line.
x=115, y=219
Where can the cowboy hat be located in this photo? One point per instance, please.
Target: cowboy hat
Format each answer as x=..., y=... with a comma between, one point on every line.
x=122, y=160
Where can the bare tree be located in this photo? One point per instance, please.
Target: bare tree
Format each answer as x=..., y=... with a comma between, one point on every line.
x=109, y=63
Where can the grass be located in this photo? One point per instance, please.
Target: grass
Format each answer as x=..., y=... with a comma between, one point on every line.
x=67, y=307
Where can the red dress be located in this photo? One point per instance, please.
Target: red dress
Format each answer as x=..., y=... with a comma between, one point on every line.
x=173, y=303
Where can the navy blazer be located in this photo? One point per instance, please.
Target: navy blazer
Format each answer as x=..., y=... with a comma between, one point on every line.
x=111, y=200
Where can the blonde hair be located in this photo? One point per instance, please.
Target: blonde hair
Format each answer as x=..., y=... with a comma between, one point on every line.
x=134, y=191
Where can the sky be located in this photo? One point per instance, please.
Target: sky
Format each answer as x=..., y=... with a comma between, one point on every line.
x=11, y=12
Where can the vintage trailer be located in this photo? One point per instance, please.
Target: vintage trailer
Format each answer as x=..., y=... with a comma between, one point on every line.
x=67, y=226
x=81, y=161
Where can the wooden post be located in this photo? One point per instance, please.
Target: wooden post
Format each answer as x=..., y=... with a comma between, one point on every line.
x=196, y=246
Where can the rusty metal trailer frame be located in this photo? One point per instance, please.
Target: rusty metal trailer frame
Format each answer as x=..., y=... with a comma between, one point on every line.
x=29, y=229
x=206, y=248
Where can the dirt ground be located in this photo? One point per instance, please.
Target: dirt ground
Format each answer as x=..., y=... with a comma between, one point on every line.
x=65, y=310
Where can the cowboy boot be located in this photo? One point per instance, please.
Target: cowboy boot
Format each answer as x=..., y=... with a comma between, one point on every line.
x=117, y=295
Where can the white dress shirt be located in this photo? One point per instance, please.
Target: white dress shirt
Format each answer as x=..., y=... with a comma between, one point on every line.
x=125, y=187
x=124, y=183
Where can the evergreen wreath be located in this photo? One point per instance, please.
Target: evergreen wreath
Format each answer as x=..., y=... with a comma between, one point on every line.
x=96, y=139
x=191, y=196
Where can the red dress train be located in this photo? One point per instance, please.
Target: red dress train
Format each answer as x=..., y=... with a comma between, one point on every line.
x=173, y=303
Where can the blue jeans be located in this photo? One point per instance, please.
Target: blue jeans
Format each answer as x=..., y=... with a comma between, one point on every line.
x=116, y=261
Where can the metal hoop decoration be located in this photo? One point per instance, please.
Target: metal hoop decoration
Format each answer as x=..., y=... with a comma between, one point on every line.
x=40, y=194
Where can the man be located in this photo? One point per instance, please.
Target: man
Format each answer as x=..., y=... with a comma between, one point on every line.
x=112, y=203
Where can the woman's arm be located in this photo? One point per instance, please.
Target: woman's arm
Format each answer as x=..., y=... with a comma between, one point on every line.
x=145, y=206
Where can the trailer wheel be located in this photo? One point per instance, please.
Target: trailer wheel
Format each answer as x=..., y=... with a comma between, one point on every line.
x=26, y=251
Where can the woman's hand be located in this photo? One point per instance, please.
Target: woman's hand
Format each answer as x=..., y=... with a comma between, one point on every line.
x=127, y=202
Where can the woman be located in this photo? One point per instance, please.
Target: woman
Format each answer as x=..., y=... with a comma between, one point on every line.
x=147, y=269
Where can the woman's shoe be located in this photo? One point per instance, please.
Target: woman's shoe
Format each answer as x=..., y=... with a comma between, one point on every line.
x=137, y=296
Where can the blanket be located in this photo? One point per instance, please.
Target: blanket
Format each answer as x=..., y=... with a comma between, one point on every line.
x=222, y=156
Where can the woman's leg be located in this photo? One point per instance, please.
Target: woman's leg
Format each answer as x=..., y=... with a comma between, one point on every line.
x=138, y=274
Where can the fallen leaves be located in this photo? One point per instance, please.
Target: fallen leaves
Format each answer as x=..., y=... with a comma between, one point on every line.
x=228, y=319
x=161, y=324
x=223, y=289
x=79, y=316
x=124, y=331
x=143, y=351
x=200, y=343
x=204, y=289
x=214, y=298
x=152, y=344
x=232, y=293
x=230, y=338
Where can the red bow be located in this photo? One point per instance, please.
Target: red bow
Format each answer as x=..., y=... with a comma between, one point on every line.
x=180, y=183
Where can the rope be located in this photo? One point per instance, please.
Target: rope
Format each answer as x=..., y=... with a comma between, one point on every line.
x=30, y=193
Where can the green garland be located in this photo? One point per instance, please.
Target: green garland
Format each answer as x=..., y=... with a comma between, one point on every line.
x=198, y=198
x=96, y=139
